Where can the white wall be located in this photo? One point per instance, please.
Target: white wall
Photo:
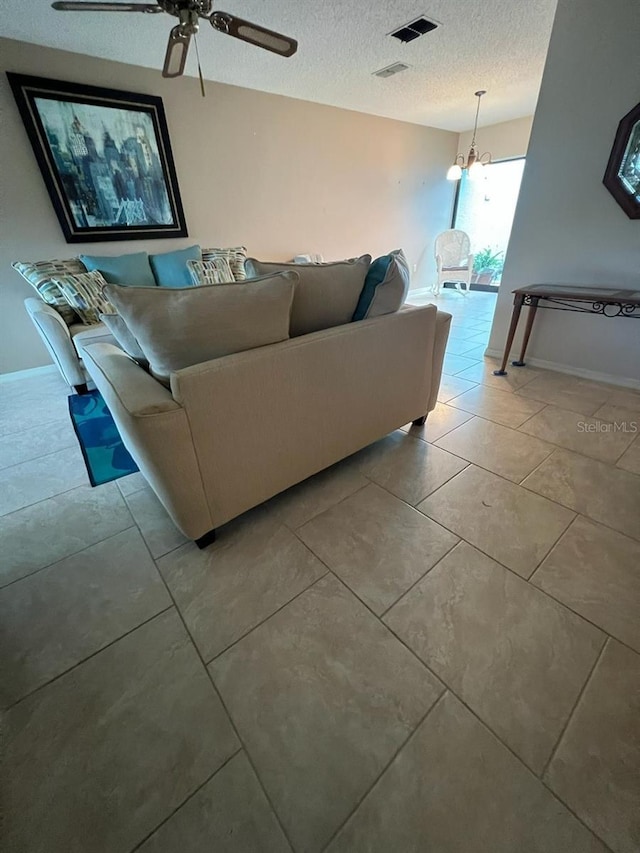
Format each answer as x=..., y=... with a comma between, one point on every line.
x=504, y=141
x=567, y=226
x=280, y=175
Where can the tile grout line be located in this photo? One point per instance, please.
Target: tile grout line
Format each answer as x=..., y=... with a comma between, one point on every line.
x=528, y=580
x=477, y=547
x=578, y=512
x=193, y=793
x=532, y=491
x=446, y=432
x=586, y=619
x=384, y=769
x=294, y=530
x=266, y=618
x=49, y=498
x=555, y=446
x=68, y=556
x=84, y=660
x=226, y=710
x=531, y=417
x=551, y=547
x=421, y=578
x=577, y=817
x=571, y=714
x=464, y=702
x=33, y=458
x=497, y=736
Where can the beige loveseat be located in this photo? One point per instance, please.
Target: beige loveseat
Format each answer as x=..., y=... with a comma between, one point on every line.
x=237, y=430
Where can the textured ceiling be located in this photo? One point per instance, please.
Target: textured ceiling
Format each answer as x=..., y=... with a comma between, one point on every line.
x=498, y=45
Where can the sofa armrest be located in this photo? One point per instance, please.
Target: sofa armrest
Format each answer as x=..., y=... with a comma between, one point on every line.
x=155, y=431
x=443, y=324
x=55, y=334
x=119, y=378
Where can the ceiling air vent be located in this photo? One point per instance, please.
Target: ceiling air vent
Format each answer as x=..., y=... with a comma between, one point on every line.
x=390, y=70
x=413, y=30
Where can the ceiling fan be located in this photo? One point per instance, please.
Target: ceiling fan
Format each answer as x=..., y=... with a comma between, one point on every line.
x=189, y=13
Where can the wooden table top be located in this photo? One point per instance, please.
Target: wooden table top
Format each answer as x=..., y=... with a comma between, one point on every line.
x=581, y=294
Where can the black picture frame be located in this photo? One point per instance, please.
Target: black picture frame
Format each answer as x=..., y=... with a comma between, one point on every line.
x=115, y=187
x=622, y=176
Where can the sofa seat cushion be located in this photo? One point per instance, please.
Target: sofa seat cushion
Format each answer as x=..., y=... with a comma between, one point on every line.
x=326, y=294
x=132, y=269
x=96, y=334
x=40, y=275
x=180, y=327
x=385, y=286
x=170, y=268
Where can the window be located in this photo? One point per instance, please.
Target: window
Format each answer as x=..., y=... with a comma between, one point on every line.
x=484, y=209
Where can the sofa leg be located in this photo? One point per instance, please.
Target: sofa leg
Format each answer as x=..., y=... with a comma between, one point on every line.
x=420, y=421
x=206, y=540
x=81, y=389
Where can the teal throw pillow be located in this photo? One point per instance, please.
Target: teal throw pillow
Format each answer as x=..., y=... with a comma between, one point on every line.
x=376, y=275
x=130, y=269
x=170, y=268
x=385, y=286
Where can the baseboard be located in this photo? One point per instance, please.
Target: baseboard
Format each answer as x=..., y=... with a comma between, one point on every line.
x=593, y=375
x=25, y=374
x=481, y=288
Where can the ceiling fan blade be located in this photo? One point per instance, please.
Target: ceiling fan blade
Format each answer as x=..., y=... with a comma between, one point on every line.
x=176, y=55
x=254, y=34
x=105, y=7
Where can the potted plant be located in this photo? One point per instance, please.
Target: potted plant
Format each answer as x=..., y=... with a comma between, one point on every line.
x=487, y=264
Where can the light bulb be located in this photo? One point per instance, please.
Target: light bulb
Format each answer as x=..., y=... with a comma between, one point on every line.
x=454, y=173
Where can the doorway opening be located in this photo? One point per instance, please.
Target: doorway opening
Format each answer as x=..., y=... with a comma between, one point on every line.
x=485, y=208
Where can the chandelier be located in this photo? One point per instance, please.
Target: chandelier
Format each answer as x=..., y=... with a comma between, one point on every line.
x=475, y=162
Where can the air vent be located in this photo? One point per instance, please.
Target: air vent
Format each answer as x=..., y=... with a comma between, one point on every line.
x=413, y=30
x=390, y=70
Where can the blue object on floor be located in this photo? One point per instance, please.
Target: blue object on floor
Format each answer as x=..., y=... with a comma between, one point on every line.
x=105, y=455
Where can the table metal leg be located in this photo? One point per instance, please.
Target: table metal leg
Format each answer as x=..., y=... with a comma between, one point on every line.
x=515, y=316
x=527, y=332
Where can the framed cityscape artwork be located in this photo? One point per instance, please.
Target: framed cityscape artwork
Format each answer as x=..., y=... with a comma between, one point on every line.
x=105, y=157
x=622, y=177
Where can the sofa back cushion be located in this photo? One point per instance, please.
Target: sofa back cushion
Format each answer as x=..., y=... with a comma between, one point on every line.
x=132, y=269
x=326, y=294
x=179, y=327
x=40, y=275
x=170, y=268
x=121, y=332
x=84, y=294
x=385, y=286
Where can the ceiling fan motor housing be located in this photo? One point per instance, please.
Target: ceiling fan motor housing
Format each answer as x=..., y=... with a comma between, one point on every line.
x=186, y=8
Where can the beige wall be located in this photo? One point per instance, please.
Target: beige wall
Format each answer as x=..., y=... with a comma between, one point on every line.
x=280, y=175
x=504, y=141
x=567, y=226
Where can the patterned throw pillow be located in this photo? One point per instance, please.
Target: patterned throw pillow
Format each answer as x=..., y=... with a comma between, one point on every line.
x=83, y=292
x=236, y=257
x=215, y=271
x=40, y=276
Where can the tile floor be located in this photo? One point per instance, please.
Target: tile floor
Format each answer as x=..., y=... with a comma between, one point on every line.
x=432, y=646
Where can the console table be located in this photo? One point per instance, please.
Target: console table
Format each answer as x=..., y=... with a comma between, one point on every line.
x=606, y=301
